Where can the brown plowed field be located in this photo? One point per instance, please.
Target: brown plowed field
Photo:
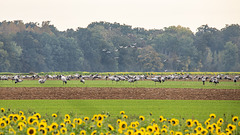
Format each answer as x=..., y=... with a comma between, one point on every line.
x=119, y=93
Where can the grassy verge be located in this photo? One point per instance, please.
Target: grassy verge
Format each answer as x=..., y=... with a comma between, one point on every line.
x=199, y=109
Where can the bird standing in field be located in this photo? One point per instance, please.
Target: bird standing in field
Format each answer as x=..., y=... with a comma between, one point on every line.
x=41, y=81
x=64, y=79
x=82, y=81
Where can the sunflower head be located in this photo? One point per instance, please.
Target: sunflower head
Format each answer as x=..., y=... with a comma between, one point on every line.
x=110, y=127
x=43, y=131
x=189, y=123
x=213, y=116
x=123, y=125
x=2, y=110
x=122, y=112
x=141, y=118
x=82, y=132
x=31, y=131
x=125, y=116
x=235, y=119
x=63, y=130
x=86, y=118
x=150, y=129
x=54, y=115
x=67, y=116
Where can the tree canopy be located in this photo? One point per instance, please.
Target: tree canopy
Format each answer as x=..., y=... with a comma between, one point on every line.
x=104, y=46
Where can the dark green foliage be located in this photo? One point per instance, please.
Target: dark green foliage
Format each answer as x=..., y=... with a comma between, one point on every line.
x=113, y=47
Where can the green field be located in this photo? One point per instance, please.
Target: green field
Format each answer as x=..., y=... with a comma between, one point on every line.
x=124, y=84
x=198, y=109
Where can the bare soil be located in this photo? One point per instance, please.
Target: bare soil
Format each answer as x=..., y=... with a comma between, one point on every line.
x=118, y=93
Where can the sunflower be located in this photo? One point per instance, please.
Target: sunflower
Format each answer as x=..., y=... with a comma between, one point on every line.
x=220, y=121
x=141, y=118
x=37, y=115
x=23, y=118
x=21, y=125
x=199, y=128
x=67, y=121
x=139, y=132
x=165, y=126
x=210, y=128
x=99, y=123
x=31, y=131
x=54, y=126
x=3, y=124
x=62, y=125
x=49, y=128
x=178, y=133
x=153, y=121
x=123, y=125
x=155, y=127
x=82, y=132
x=161, y=118
x=143, y=129
x=35, y=122
x=54, y=115
x=43, y=131
x=2, y=110
x=189, y=123
x=67, y=116
x=118, y=121
x=174, y=122
x=133, y=125
x=171, y=132
x=196, y=122
x=150, y=129
x=147, y=133
x=56, y=132
x=110, y=127
x=157, y=133
x=63, y=130
x=42, y=125
x=125, y=116
x=72, y=133
x=99, y=117
x=73, y=125
x=239, y=123
x=213, y=116
x=204, y=132
x=122, y=112
x=94, y=132
x=31, y=119
x=235, y=119
x=150, y=113
x=77, y=121
x=218, y=130
x=21, y=113
x=86, y=118
x=163, y=130
x=231, y=127
x=129, y=132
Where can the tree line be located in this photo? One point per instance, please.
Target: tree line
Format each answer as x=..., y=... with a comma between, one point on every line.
x=112, y=47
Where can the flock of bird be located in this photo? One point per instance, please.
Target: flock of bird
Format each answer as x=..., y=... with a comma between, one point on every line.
x=117, y=78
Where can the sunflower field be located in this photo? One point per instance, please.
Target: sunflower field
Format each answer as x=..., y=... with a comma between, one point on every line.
x=33, y=123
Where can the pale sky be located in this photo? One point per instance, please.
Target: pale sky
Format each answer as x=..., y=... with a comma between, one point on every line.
x=148, y=14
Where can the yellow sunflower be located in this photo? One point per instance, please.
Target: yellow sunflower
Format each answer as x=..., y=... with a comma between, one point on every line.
x=155, y=127
x=72, y=133
x=99, y=117
x=62, y=125
x=129, y=132
x=231, y=127
x=110, y=127
x=67, y=116
x=31, y=119
x=220, y=122
x=43, y=131
x=21, y=113
x=21, y=125
x=189, y=123
x=54, y=115
x=150, y=129
x=82, y=132
x=199, y=128
x=174, y=122
x=99, y=124
x=63, y=130
x=54, y=126
x=3, y=124
x=123, y=125
x=125, y=116
x=2, y=110
x=118, y=121
x=31, y=131
x=37, y=115
x=235, y=119
x=23, y=118
x=161, y=118
x=72, y=125
x=204, y=132
x=143, y=129
x=157, y=133
x=239, y=123
x=164, y=130
x=86, y=118
x=178, y=133
x=35, y=122
x=213, y=116
x=94, y=132
x=139, y=132
x=42, y=125
x=141, y=118
x=56, y=132
x=218, y=130
x=133, y=125
x=171, y=132
x=67, y=121
x=122, y=112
